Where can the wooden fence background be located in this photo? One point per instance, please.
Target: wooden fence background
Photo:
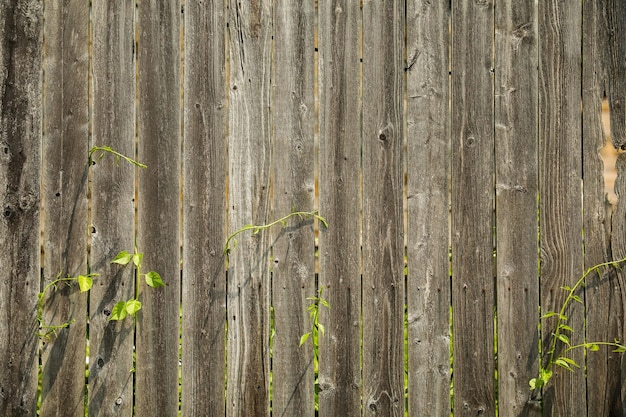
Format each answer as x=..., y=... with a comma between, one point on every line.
x=459, y=139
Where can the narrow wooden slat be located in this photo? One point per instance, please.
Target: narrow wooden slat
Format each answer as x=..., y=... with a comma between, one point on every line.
x=516, y=205
x=65, y=172
x=248, y=203
x=340, y=203
x=21, y=32
x=560, y=189
x=428, y=150
x=158, y=206
x=604, y=292
x=293, y=266
x=473, y=298
x=204, y=210
x=383, y=248
x=112, y=208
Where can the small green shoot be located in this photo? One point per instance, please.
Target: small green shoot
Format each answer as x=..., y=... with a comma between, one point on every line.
x=152, y=278
x=562, y=333
x=313, y=309
x=103, y=150
x=231, y=242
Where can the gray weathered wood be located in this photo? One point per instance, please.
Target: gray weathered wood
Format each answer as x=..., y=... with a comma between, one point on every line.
x=64, y=205
x=293, y=266
x=204, y=210
x=428, y=150
x=560, y=189
x=340, y=203
x=604, y=292
x=250, y=39
x=158, y=206
x=112, y=227
x=383, y=247
x=516, y=204
x=21, y=28
x=473, y=298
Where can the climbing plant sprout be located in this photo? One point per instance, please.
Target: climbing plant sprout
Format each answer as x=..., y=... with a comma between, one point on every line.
x=562, y=333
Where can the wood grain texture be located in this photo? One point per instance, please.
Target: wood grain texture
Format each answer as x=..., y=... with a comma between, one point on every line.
x=204, y=210
x=339, y=34
x=428, y=150
x=559, y=188
x=21, y=30
x=383, y=249
x=112, y=228
x=158, y=205
x=516, y=205
x=473, y=298
x=64, y=203
x=293, y=247
x=604, y=291
x=250, y=31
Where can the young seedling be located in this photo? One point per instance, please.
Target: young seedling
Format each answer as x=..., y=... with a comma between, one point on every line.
x=562, y=333
x=257, y=228
x=84, y=284
x=152, y=278
x=314, y=309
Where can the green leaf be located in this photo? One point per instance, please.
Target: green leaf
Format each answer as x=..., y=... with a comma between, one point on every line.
x=563, y=364
x=84, y=283
x=320, y=326
x=133, y=306
x=566, y=288
x=566, y=328
x=122, y=258
x=592, y=347
x=549, y=314
x=620, y=349
x=577, y=298
x=563, y=338
x=137, y=257
x=119, y=311
x=304, y=338
x=535, y=383
x=569, y=361
x=154, y=280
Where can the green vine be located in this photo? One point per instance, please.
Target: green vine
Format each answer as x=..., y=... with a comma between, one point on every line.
x=562, y=330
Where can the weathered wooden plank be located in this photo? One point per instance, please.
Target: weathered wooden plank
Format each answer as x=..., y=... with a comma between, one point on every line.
x=383, y=223
x=428, y=151
x=339, y=377
x=204, y=210
x=65, y=174
x=21, y=29
x=250, y=33
x=604, y=292
x=473, y=298
x=516, y=204
x=560, y=188
x=293, y=266
x=158, y=205
x=112, y=208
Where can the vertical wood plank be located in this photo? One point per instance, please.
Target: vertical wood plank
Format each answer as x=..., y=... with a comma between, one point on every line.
x=339, y=377
x=428, y=147
x=604, y=292
x=383, y=248
x=205, y=169
x=21, y=29
x=65, y=172
x=293, y=266
x=158, y=205
x=559, y=188
x=516, y=204
x=473, y=298
x=248, y=306
x=112, y=208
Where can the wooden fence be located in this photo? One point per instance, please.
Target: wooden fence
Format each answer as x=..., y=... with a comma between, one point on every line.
x=452, y=146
